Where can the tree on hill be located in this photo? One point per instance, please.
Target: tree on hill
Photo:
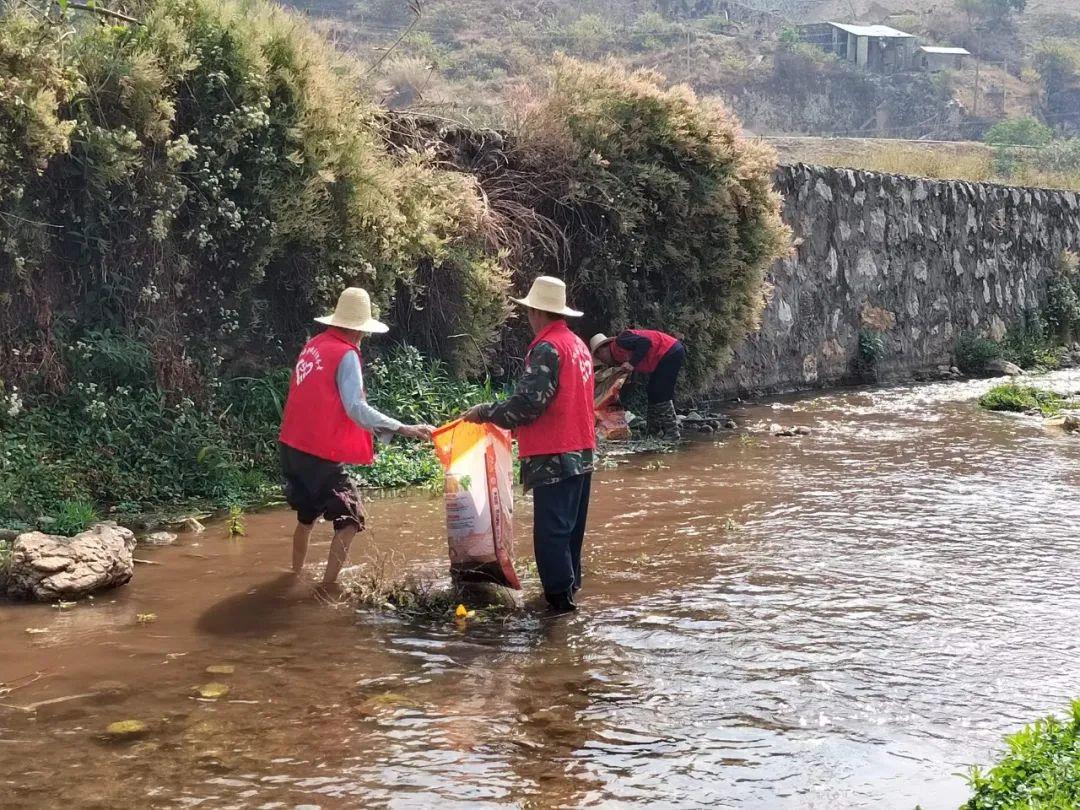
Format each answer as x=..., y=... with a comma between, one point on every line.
x=991, y=9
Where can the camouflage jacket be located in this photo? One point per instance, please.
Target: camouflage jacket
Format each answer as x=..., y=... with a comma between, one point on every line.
x=530, y=399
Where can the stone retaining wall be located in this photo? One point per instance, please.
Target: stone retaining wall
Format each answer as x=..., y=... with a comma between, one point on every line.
x=920, y=260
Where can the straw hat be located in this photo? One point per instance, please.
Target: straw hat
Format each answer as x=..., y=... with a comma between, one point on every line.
x=354, y=312
x=598, y=340
x=549, y=295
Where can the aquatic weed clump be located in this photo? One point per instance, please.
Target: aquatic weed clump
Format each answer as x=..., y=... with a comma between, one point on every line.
x=422, y=597
x=1040, y=770
x=412, y=595
x=1014, y=398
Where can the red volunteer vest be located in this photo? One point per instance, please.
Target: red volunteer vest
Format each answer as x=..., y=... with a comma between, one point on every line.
x=569, y=423
x=661, y=345
x=315, y=421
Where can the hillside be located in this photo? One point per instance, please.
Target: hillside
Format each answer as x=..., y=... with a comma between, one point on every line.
x=460, y=58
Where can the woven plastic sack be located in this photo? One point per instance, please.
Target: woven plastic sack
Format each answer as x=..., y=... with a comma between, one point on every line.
x=479, y=501
x=612, y=420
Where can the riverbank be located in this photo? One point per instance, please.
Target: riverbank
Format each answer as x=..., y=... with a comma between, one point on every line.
x=844, y=619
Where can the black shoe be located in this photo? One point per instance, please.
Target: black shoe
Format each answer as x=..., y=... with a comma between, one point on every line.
x=561, y=602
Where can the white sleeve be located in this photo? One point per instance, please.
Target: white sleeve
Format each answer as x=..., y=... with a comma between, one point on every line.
x=350, y=384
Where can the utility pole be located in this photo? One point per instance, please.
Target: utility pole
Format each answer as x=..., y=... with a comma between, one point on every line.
x=978, y=58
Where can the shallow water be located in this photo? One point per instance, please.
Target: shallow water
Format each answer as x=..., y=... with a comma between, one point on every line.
x=846, y=619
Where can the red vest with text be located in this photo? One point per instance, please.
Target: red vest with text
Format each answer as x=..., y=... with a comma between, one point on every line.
x=315, y=421
x=569, y=422
x=661, y=345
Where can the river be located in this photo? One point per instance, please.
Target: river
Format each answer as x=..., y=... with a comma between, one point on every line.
x=846, y=619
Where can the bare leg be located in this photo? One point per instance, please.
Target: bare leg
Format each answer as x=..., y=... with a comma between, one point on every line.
x=300, y=545
x=339, y=552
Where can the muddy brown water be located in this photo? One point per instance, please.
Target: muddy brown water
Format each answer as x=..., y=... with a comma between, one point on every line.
x=846, y=619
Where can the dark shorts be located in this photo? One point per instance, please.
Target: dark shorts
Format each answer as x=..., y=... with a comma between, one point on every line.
x=315, y=486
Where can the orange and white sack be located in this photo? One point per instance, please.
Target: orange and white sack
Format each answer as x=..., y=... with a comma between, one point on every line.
x=612, y=421
x=479, y=499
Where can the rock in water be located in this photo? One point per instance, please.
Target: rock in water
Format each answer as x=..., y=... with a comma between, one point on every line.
x=48, y=567
x=159, y=539
x=1004, y=367
x=488, y=593
x=193, y=526
x=126, y=730
x=1071, y=421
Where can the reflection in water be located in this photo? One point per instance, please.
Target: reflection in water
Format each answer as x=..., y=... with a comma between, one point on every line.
x=842, y=620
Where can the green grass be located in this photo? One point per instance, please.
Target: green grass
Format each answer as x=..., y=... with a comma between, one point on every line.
x=1041, y=770
x=1015, y=398
x=73, y=517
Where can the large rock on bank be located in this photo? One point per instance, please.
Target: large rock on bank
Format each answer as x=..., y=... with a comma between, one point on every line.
x=48, y=567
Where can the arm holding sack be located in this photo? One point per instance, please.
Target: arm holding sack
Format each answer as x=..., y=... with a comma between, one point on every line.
x=350, y=384
x=531, y=397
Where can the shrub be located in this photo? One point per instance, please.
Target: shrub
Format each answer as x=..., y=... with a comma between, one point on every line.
x=872, y=345
x=1063, y=298
x=1022, y=399
x=651, y=32
x=205, y=183
x=974, y=353
x=1040, y=770
x=666, y=212
x=590, y=35
x=1058, y=63
x=1029, y=344
x=1019, y=132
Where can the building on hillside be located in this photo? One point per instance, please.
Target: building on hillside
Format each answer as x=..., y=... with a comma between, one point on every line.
x=934, y=58
x=876, y=48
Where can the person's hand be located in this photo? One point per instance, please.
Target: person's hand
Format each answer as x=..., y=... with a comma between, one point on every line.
x=420, y=432
x=628, y=367
x=474, y=415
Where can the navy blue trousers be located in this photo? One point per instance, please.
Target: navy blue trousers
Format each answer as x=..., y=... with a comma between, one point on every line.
x=560, y=512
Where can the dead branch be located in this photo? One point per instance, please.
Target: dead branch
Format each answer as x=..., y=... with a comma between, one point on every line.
x=104, y=12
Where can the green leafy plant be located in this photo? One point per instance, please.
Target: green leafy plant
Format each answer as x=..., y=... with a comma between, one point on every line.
x=235, y=525
x=974, y=353
x=1040, y=770
x=1063, y=299
x=1029, y=344
x=872, y=346
x=1022, y=399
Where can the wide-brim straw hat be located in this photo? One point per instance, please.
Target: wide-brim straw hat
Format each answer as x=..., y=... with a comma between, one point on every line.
x=598, y=340
x=354, y=312
x=548, y=294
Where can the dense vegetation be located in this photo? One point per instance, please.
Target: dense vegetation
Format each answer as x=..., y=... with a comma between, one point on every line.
x=180, y=197
x=114, y=444
x=662, y=203
x=1040, y=770
x=205, y=182
x=1040, y=339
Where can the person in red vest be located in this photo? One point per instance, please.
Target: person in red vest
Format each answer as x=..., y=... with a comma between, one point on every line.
x=551, y=413
x=327, y=424
x=657, y=354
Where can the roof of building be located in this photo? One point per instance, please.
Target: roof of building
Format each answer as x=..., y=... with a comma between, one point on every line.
x=872, y=31
x=940, y=49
